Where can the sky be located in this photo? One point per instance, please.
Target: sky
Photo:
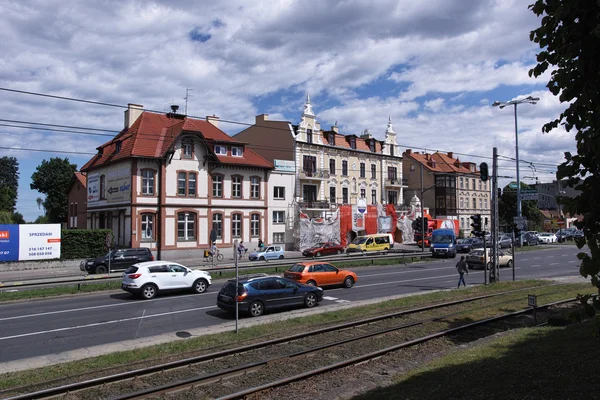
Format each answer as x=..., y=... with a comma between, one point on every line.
x=434, y=68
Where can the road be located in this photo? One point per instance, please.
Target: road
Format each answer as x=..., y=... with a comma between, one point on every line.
x=53, y=326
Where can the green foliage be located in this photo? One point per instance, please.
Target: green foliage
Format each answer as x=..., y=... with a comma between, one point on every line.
x=9, y=183
x=507, y=209
x=18, y=218
x=52, y=178
x=461, y=234
x=569, y=39
x=5, y=218
x=42, y=219
x=88, y=243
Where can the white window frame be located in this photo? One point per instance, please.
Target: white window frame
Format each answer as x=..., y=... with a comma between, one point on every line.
x=236, y=225
x=236, y=187
x=237, y=151
x=147, y=182
x=279, y=237
x=186, y=148
x=217, y=219
x=147, y=224
x=255, y=225
x=278, y=217
x=279, y=192
x=220, y=149
x=217, y=189
x=254, y=187
x=189, y=221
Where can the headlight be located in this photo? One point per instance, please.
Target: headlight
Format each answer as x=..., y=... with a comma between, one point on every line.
x=90, y=263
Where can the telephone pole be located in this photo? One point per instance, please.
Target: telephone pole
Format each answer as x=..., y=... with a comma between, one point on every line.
x=187, y=96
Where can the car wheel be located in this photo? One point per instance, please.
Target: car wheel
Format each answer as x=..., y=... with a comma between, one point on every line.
x=311, y=283
x=256, y=309
x=509, y=264
x=348, y=282
x=318, y=254
x=310, y=300
x=200, y=286
x=262, y=258
x=149, y=291
x=281, y=257
x=100, y=269
x=338, y=252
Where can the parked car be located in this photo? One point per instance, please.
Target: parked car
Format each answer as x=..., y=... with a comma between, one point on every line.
x=468, y=244
x=475, y=259
x=267, y=253
x=529, y=239
x=505, y=241
x=565, y=234
x=547, y=237
x=260, y=293
x=120, y=259
x=147, y=279
x=578, y=234
x=374, y=242
x=323, y=249
x=318, y=273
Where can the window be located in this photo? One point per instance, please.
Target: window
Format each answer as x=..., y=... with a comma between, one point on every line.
x=186, y=226
x=372, y=146
x=345, y=168
x=462, y=203
x=219, y=149
x=353, y=143
x=279, y=192
x=392, y=197
x=217, y=224
x=186, y=148
x=363, y=172
x=147, y=226
x=392, y=173
x=345, y=195
x=236, y=186
x=237, y=151
x=236, y=225
x=102, y=187
x=217, y=185
x=473, y=183
x=363, y=193
x=278, y=237
x=118, y=146
x=186, y=184
x=373, y=171
x=332, y=166
x=278, y=217
x=147, y=182
x=373, y=196
x=462, y=222
x=474, y=203
x=391, y=150
x=481, y=204
x=331, y=139
x=332, y=199
x=309, y=136
x=461, y=183
x=254, y=187
x=480, y=184
x=309, y=165
x=255, y=225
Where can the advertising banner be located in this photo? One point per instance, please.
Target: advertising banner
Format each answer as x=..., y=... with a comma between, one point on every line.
x=285, y=165
x=29, y=242
x=93, y=188
x=118, y=185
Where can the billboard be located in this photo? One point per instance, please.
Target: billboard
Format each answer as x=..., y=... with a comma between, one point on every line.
x=118, y=184
x=93, y=188
x=29, y=242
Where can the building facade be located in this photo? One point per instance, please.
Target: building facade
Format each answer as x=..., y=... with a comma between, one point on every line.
x=169, y=183
x=77, y=202
x=450, y=188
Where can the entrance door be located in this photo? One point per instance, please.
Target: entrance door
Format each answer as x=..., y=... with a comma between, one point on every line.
x=309, y=193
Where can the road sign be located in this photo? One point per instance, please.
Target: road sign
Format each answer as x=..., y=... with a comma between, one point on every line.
x=560, y=223
x=361, y=205
x=532, y=300
x=512, y=185
x=109, y=240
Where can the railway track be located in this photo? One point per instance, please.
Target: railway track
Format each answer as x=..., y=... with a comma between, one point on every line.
x=201, y=371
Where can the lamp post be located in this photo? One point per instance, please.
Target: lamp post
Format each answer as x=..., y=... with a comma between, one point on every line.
x=530, y=100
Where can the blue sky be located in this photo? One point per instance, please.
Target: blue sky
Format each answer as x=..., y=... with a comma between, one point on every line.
x=434, y=67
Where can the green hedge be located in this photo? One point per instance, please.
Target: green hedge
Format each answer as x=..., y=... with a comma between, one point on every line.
x=88, y=243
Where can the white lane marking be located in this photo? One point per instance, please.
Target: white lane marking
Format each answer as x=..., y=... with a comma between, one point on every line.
x=96, y=307
x=570, y=262
x=342, y=301
x=329, y=298
x=105, y=323
x=535, y=265
x=553, y=263
x=538, y=258
x=524, y=259
x=406, y=280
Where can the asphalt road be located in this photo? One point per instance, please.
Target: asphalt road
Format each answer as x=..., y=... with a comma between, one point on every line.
x=52, y=326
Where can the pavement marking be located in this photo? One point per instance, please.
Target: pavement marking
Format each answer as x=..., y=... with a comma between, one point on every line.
x=539, y=258
x=95, y=307
x=553, y=263
x=535, y=265
x=329, y=298
x=105, y=323
x=574, y=261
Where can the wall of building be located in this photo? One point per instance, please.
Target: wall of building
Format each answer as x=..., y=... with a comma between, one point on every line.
x=77, y=209
x=285, y=205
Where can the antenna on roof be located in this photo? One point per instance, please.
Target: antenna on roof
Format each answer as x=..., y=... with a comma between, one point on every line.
x=187, y=96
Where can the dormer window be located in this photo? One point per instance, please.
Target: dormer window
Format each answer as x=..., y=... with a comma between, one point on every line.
x=220, y=150
x=353, y=143
x=372, y=146
x=118, y=146
x=309, y=136
x=331, y=139
x=100, y=151
x=237, y=151
x=186, y=148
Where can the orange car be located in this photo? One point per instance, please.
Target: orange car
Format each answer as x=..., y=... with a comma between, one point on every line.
x=318, y=273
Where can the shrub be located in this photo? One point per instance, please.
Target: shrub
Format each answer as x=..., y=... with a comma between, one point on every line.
x=88, y=243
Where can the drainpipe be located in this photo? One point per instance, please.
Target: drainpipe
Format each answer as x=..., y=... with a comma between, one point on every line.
x=159, y=213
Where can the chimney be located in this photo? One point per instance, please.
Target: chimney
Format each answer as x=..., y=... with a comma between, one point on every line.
x=366, y=135
x=408, y=151
x=335, y=128
x=427, y=156
x=132, y=113
x=260, y=119
x=450, y=154
x=214, y=120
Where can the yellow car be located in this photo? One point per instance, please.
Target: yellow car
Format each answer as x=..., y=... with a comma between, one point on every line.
x=376, y=242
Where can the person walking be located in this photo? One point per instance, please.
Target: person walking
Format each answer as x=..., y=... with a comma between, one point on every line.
x=462, y=268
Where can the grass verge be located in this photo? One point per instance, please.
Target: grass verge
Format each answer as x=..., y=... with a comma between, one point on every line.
x=197, y=345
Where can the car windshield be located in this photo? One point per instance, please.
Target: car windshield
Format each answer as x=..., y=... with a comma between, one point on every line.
x=442, y=238
x=476, y=253
x=359, y=240
x=297, y=268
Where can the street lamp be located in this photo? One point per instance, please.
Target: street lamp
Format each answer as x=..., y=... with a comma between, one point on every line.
x=530, y=100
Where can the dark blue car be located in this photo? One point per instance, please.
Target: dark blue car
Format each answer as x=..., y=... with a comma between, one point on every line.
x=258, y=293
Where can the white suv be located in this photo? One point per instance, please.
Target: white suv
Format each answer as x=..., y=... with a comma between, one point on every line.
x=148, y=278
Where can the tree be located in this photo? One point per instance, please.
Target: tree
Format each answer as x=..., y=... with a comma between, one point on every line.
x=507, y=208
x=5, y=218
x=52, y=178
x=42, y=219
x=17, y=218
x=9, y=183
x=569, y=38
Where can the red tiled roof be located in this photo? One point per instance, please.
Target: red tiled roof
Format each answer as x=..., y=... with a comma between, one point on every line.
x=343, y=142
x=441, y=162
x=152, y=134
x=81, y=178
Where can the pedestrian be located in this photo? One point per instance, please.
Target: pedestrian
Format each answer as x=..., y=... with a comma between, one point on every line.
x=260, y=244
x=461, y=266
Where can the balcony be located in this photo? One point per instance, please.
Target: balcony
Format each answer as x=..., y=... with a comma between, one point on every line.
x=319, y=174
x=396, y=182
x=315, y=205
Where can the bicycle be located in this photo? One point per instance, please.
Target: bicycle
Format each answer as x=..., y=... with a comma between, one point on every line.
x=211, y=258
x=242, y=254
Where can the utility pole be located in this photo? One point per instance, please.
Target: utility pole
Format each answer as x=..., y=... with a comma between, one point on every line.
x=494, y=234
x=422, y=214
x=187, y=96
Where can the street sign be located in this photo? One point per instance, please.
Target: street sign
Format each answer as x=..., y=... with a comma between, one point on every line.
x=532, y=300
x=361, y=205
x=109, y=240
x=560, y=223
x=512, y=185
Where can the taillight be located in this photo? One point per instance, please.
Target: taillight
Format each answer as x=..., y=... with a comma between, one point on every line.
x=241, y=297
x=134, y=276
x=152, y=258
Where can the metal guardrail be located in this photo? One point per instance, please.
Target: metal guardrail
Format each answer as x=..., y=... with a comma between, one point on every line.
x=284, y=264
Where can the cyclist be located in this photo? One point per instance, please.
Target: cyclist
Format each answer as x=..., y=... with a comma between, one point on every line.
x=214, y=251
x=241, y=249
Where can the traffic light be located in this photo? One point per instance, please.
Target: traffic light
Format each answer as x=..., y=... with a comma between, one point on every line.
x=425, y=221
x=416, y=224
x=483, y=171
x=476, y=224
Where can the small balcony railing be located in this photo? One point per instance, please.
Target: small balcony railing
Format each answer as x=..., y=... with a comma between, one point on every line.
x=315, y=205
x=314, y=174
x=396, y=182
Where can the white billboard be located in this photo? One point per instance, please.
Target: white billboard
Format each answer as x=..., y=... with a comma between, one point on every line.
x=39, y=241
x=93, y=188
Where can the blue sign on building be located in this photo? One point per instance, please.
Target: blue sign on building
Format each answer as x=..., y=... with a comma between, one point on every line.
x=9, y=242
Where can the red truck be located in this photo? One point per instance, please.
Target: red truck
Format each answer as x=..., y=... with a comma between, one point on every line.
x=433, y=224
